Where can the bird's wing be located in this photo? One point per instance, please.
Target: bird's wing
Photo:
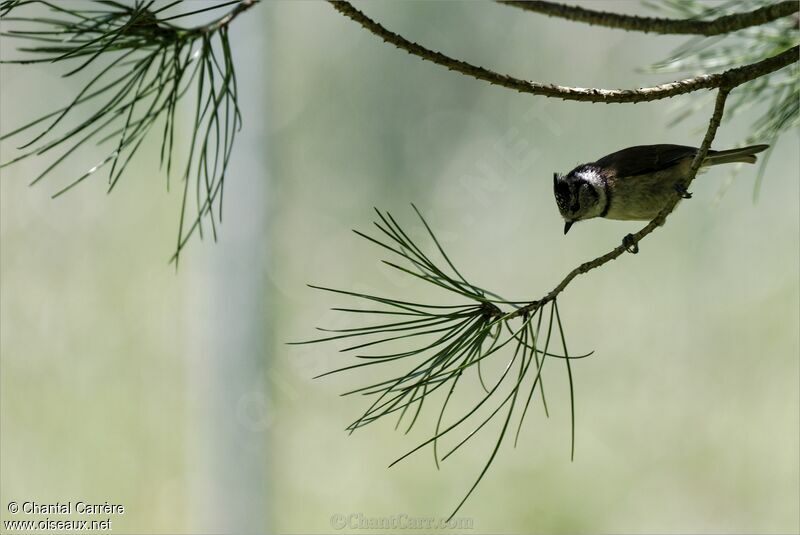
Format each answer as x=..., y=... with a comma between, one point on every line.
x=643, y=159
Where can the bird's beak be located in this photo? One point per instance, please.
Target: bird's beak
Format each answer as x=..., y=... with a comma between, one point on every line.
x=567, y=225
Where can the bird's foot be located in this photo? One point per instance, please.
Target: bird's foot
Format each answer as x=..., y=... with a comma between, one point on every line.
x=682, y=191
x=629, y=242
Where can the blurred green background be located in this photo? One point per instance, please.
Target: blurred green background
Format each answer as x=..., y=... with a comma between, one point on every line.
x=175, y=394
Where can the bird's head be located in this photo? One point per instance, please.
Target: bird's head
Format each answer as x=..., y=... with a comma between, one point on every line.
x=577, y=196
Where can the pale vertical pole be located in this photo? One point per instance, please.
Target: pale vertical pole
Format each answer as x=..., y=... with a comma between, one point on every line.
x=229, y=320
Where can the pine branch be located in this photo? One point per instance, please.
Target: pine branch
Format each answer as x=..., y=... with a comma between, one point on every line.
x=717, y=26
x=150, y=66
x=645, y=94
x=456, y=339
x=461, y=332
x=442, y=344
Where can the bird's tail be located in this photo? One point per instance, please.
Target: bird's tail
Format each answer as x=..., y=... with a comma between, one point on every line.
x=743, y=155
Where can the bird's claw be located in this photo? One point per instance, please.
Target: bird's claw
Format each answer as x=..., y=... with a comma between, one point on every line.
x=629, y=242
x=682, y=191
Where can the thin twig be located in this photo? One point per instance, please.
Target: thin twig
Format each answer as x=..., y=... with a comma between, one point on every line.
x=240, y=8
x=734, y=76
x=720, y=25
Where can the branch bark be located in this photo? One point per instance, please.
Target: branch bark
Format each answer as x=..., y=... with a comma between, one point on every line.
x=720, y=25
x=645, y=94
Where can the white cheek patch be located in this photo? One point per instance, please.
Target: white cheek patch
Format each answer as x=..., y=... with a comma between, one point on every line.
x=598, y=184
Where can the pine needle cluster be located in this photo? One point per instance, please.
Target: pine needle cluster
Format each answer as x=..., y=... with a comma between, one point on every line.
x=139, y=64
x=438, y=345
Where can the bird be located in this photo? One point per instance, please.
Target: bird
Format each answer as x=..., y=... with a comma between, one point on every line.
x=636, y=183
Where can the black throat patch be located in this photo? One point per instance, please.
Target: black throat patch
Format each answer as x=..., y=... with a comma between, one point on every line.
x=608, y=198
